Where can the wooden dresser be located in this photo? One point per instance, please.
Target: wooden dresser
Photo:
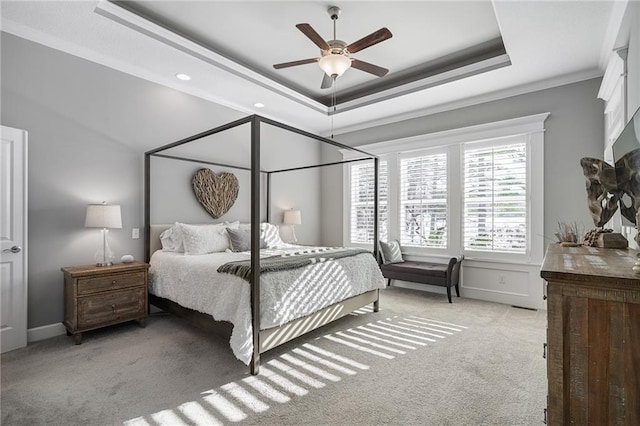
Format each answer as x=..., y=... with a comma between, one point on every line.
x=593, y=336
x=97, y=296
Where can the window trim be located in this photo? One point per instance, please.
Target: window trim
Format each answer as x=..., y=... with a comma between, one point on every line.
x=346, y=228
x=452, y=140
x=398, y=189
x=510, y=140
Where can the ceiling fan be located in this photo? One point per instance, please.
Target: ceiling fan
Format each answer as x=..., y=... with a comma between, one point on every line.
x=335, y=56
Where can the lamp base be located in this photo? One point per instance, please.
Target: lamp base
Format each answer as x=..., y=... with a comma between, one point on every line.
x=104, y=256
x=293, y=239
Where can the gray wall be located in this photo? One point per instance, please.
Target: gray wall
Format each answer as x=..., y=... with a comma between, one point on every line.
x=88, y=128
x=173, y=200
x=574, y=130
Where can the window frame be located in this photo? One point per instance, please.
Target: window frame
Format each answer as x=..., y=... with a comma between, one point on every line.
x=493, y=143
x=347, y=197
x=452, y=140
x=398, y=189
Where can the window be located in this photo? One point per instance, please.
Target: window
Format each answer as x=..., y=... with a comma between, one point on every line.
x=423, y=201
x=477, y=191
x=362, y=192
x=495, y=198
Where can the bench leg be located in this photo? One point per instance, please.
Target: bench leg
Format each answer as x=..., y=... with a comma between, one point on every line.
x=389, y=282
x=458, y=290
x=449, y=294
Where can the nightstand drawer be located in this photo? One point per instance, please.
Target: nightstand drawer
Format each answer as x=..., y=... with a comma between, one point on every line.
x=112, y=307
x=110, y=282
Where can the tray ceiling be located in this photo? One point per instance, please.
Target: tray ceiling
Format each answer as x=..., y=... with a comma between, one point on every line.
x=229, y=47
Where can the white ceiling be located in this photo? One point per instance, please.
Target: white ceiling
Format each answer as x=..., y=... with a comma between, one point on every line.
x=548, y=43
x=259, y=35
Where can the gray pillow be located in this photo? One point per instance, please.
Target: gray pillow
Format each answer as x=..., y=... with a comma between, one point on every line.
x=391, y=252
x=241, y=239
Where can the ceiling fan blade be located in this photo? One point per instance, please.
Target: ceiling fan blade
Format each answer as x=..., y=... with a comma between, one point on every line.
x=370, y=68
x=313, y=36
x=374, y=38
x=294, y=63
x=327, y=81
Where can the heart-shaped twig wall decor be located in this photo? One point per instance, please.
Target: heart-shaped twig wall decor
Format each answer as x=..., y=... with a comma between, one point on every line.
x=216, y=193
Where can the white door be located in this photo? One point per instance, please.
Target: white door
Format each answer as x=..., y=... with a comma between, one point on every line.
x=13, y=238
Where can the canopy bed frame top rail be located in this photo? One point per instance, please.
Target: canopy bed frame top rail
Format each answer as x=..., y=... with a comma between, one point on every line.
x=254, y=121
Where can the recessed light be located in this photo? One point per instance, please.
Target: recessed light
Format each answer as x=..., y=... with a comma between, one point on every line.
x=258, y=105
x=184, y=77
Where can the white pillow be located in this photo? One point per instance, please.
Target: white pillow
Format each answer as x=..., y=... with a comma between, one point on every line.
x=271, y=235
x=203, y=239
x=171, y=239
x=268, y=232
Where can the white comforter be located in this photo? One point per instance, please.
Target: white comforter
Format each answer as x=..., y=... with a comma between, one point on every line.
x=193, y=282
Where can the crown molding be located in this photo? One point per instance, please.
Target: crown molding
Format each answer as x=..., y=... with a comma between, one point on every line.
x=614, y=28
x=496, y=129
x=426, y=83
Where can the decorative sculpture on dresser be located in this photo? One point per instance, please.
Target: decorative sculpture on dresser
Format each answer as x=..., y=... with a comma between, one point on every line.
x=628, y=182
x=608, y=188
x=611, y=187
x=602, y=190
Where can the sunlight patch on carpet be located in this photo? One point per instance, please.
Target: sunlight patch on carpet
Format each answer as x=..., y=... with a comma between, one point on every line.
x=306, y=367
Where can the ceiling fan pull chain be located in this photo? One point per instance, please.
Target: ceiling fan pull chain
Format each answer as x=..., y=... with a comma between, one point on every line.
x=333, y=102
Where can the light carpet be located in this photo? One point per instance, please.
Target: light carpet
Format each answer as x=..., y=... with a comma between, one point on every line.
x=419, y=361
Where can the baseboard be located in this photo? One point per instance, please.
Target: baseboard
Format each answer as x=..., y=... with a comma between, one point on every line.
x=44, y=332
x=421, y=287
x=505, y=298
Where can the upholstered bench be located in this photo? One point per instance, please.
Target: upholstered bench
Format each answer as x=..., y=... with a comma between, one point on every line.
x=446, y=275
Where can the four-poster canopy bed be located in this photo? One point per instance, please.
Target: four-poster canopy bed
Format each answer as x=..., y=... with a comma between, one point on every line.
x=357, y=267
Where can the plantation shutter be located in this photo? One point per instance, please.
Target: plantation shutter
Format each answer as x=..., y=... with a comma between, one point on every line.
x=423, y=201
x=362, y=202
x=495, y=198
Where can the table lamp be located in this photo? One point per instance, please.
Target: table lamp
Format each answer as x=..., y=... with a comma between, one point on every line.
x=103, y=216
x=292, y=218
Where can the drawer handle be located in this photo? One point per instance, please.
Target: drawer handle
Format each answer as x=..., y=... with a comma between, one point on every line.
x=113, y=282
x=544, y=351
x=113, y=308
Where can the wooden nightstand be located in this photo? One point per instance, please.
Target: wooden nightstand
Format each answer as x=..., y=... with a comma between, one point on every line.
x=97, y=296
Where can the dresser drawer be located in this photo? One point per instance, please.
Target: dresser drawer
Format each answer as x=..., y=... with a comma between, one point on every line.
x=112, y=307
x=110, y=282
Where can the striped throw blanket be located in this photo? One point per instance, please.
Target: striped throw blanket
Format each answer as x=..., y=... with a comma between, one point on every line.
x=298, y=259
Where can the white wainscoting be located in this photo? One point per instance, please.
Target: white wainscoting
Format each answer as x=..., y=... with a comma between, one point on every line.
x=513, y=284
x=517, y=284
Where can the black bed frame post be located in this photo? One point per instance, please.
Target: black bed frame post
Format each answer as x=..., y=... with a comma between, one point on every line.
x=269, y=197
x=376, y=213
x=147, y=207
x=255, y=243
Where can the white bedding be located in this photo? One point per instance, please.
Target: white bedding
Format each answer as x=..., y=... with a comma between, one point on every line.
x=193, y=282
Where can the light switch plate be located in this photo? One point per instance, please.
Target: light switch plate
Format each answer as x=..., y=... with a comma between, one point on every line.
x=135, y=233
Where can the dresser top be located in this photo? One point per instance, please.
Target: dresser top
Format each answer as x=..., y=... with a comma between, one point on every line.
x=590, y=264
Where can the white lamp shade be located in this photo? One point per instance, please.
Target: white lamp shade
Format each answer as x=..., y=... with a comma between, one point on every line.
x=103, y=216
x=292, y=217
x=334, y=64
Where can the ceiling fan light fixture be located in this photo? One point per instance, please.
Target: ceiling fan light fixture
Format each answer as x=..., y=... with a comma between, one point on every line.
x=334, y=64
